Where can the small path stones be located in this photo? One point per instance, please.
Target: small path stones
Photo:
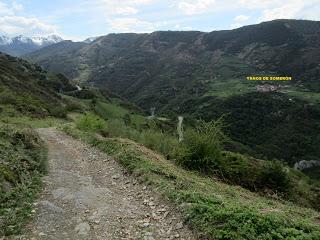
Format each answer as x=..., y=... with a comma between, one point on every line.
x=87, y=195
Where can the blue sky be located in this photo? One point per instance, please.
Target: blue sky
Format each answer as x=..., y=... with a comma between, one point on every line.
x=78, y=20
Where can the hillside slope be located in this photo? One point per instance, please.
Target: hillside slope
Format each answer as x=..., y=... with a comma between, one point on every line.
x=169, y=65
x=30, y=89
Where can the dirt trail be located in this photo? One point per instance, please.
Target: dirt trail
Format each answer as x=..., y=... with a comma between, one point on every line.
x=87, y=195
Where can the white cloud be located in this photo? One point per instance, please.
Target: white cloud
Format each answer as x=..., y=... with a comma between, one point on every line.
x=292, y=9
x=259, y=4
x=5, y=9
x=241, y=18
x=239, y=21
x=286, y=11
x=15, y=25
x=130, y=25
x=124, y=2
x=12, y=25
x=196, y=7
x=17, y=6
x=126, y=10
x=124, y=7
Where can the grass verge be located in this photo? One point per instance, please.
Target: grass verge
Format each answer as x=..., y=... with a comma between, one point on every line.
x=22, y=163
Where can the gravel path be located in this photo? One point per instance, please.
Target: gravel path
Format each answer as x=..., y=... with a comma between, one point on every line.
x=87, y=195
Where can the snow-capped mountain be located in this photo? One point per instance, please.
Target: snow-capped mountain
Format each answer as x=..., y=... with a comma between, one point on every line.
x=20, y=45
x=5, y=40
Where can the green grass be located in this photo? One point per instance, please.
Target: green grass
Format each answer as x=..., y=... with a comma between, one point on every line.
x=113, y=110
x=216, y=210
x=10, y=116
x=109, y=110
x=311, y=97
x=229, y=87
x=22, y=163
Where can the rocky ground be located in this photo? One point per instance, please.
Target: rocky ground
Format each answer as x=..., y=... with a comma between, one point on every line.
x=87, y=195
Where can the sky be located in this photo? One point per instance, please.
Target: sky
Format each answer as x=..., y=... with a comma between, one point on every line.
x=78, y=20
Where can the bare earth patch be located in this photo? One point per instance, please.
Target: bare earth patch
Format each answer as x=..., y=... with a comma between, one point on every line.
x=88, y=195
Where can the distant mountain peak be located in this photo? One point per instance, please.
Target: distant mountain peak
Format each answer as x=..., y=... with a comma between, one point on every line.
x=5, y=40
x=51, y=39
x=21, y=44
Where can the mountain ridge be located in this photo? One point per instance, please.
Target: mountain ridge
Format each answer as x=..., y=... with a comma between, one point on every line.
x=203, y=75
x=20, y=45
x=264, y=46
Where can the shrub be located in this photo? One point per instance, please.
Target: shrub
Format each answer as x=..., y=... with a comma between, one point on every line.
x=202, y=147
x=253, y=174
x=73, y=106
x=58, y=112
x=275, y=176
x=159, y=141
x=8, y=98
x=202, y=150
x=115, y=128
x=90, y=122
x=235, y=168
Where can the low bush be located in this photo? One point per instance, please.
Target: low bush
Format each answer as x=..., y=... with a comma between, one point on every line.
x=7, y=98
x=159, y=142
x=202, y=150
x=91, y=122
x=235, y=168
x=59, y=112
x=275, y=176
x=254, y=174
x=202, y=146
x=73, y=106
x=151, y=138
x=116, y=128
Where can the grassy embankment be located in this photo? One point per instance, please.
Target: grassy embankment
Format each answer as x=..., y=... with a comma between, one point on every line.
x=22, y=163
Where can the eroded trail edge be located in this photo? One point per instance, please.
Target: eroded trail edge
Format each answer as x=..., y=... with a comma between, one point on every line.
x=88, y=195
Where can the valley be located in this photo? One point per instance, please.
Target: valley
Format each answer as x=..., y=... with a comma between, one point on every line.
x=169, y=119
x=204, y=75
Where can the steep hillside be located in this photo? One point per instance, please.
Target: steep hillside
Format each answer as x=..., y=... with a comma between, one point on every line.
x=271, y=124
x=175, y=63
x=64, y=57
x=203, y=75
x=29, y=89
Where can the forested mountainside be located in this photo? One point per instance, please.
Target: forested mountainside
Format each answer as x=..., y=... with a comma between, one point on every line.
x=203, y=75
x=170, y=64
